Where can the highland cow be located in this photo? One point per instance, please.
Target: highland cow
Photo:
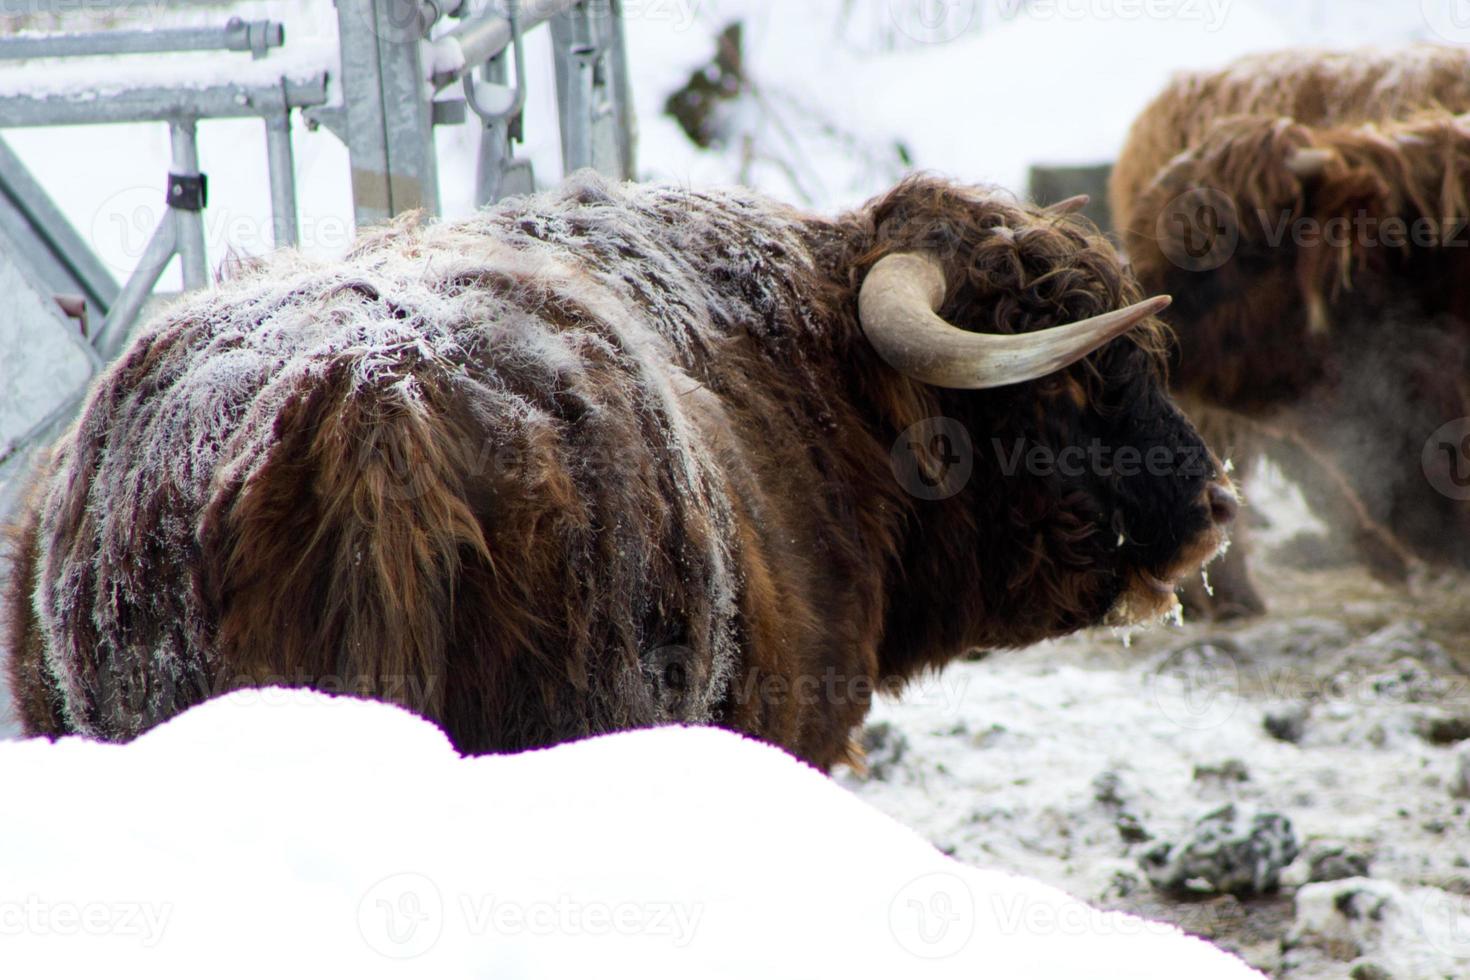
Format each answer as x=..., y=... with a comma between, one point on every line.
x=1309, y=214
x=610, y=457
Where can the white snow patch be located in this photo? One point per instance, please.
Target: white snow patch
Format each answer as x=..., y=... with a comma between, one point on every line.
x=283, y=830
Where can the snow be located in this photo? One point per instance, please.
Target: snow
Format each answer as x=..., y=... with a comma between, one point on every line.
x=1008, y=86
x=1422, y=930
x=283, y=830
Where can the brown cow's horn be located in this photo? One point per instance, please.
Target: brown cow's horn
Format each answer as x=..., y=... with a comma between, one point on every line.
x=1070, y=206
x=897, y=305
x=1307, y=164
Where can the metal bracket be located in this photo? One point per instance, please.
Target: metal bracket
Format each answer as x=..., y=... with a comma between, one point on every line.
x=512, y=100
x=447, y=112
x=188, y=192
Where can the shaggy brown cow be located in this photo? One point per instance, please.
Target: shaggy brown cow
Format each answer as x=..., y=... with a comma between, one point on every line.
x=613, y=457
x=1308, y=211
x=1314, y=88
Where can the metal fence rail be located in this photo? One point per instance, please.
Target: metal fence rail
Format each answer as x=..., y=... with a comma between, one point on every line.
x=398, y=60
x=257, y=37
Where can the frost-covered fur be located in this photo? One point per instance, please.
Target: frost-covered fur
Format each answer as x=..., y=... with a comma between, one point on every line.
x=602, y=458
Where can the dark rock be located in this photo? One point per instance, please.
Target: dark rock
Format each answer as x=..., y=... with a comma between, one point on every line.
x=1287, y=723
x=885, y=747
x=1107, y=788
x=1361, y=905
x=1131, y=829
x=1444, y=729
x=1367, y=970
x=1229, y=771
x=1235, y=849
x=1334, y=862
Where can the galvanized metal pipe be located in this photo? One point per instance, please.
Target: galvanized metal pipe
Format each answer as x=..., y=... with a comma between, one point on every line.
x=285, y=229
x=256, y=36
x=188, y=225
x=477, y=41
x=577, y=52
x=159, y=252
x=158, y=104
x=67, y=262
x=622, y=93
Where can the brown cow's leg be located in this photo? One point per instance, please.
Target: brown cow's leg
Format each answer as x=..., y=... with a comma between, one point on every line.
x=37, y=704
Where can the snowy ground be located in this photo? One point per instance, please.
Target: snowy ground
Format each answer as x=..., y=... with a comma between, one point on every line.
x=1344, y=711
x=292, y=834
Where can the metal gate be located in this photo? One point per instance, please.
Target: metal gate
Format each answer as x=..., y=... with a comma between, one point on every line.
x=404, y=67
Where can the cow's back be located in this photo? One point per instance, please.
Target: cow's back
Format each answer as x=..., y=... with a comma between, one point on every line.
x=501, y=471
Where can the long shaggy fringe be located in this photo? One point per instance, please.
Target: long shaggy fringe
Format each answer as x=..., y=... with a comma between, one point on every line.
x=1314, y=88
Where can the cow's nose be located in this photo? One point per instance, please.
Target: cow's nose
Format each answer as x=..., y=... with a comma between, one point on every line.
x=1223, y=503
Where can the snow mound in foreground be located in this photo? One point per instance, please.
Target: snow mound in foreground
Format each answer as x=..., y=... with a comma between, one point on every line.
x=289, y=831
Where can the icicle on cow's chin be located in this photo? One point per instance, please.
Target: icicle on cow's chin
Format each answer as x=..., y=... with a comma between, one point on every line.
x=1142, y=605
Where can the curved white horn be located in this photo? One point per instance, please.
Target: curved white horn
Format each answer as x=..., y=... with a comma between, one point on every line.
x=897, y=305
